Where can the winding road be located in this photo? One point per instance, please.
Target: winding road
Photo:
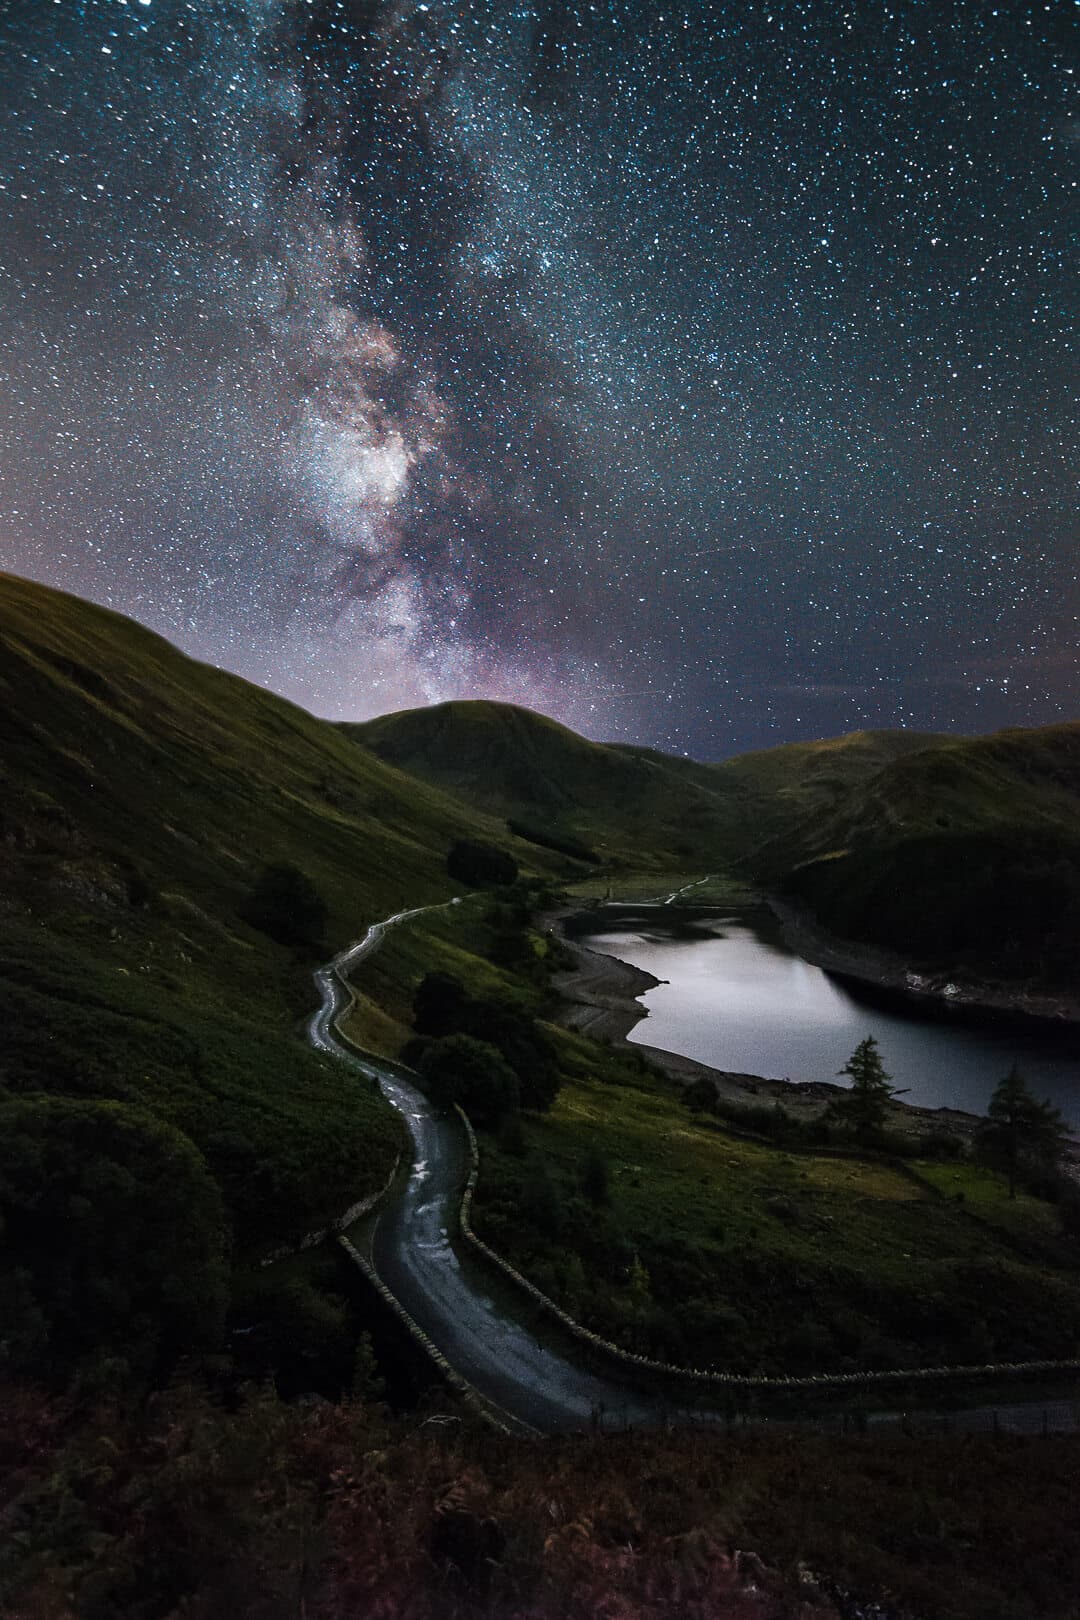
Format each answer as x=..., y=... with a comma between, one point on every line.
x=444, y=1290
x=447, y=1291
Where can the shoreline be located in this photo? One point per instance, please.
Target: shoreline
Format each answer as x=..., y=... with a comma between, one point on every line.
x=598, y=997
x=883, y=969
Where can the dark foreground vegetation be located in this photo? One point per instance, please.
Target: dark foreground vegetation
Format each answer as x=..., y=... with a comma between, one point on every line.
x=202, y=1507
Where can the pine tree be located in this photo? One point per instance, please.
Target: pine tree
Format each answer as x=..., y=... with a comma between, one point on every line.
x=1020, y=1132
x=862, y=1109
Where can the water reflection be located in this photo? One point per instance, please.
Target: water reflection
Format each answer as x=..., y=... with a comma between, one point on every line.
x=738, y=998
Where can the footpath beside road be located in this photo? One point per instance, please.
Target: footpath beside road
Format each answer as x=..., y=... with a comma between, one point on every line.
x=455, y=1303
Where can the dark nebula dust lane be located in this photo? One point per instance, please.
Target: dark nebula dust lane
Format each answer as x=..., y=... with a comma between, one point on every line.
x=700, y=374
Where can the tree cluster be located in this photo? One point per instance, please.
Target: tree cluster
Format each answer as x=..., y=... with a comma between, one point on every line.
x=286, y=906
x=115, y=1241
x=480, y=865
x=443, y=1007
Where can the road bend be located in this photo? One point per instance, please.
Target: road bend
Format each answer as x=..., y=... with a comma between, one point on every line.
x=446, y=1290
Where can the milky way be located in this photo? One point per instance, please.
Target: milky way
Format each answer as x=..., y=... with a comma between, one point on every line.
x=700, y=374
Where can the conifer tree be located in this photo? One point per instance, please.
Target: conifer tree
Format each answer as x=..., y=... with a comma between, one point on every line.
x=1020, y=1132
x=862, y=1109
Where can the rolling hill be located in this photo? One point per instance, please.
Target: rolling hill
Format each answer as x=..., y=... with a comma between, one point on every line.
x=628, y=804
x=965, y=853
x=143, y=796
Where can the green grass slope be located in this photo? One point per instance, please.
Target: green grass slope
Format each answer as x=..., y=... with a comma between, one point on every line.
x=626, y=803
x=631, y=802
x=965, y=851
x=141, y=795
x=789, y=791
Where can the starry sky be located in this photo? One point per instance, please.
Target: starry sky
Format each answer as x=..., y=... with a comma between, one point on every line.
x=698, y=373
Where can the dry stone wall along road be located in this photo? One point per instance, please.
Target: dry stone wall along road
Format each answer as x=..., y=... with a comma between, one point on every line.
x=447, y=1292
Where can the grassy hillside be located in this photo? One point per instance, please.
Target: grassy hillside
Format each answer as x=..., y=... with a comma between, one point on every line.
x=789, y=791
x=629, y=805
x=142, y=795
x=965, y=852
x=709, y=1248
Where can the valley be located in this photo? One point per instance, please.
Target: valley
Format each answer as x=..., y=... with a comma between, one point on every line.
x=181, y=851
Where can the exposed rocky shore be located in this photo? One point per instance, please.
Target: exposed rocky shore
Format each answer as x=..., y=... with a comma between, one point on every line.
x=888, y=971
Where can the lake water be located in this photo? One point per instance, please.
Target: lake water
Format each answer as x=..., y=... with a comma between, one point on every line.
x=740, y=999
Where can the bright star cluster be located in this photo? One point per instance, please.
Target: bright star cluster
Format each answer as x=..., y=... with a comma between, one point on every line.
x=701, y=374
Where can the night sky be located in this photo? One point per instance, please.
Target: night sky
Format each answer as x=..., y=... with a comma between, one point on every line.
x=700, y=374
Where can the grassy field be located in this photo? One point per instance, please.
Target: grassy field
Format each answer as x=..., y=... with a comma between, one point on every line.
x=446, y=941
x=711, y=1249
x=985, y=1195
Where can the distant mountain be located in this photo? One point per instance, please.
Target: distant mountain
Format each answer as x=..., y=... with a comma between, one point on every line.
x=628, y=803
x=964, y=851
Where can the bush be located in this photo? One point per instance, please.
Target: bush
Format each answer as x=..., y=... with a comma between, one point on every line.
x=481, y=866
x=115, y=1240
x=439, y=1004
x=460, y=1069
x=699, y=1095
x=286, y=906
x=941, y=1145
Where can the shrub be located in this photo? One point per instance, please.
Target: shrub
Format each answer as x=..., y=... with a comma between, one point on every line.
x=286, y=906
x=438, y=1004
x=115, y=1240
x=460, y=1069
x=481, y=866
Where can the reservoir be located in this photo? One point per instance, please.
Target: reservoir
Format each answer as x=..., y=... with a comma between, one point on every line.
x=738, y=998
